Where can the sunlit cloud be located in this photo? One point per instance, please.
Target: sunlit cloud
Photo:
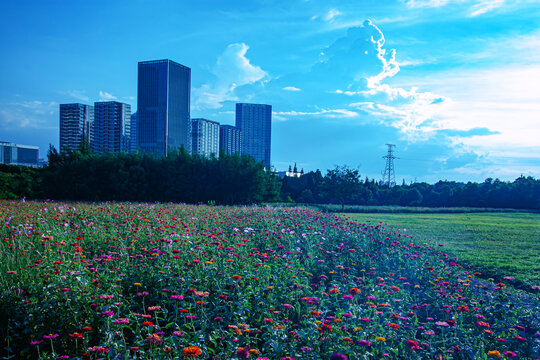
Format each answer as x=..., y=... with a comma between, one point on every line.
x=232, y=70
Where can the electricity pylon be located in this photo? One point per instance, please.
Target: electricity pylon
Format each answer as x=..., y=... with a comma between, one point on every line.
x=389, y=176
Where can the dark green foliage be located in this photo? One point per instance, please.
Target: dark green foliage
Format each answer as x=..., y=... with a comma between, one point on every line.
x=17, y=182
x=179, y=177
x=343, y=186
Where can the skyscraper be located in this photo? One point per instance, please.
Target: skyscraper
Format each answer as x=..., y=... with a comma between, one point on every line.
x=112, y=127
x=205, y=137
x=75, y=125
x=163, y=106
x=230, y=139
x=255, y=123
x=133, y=146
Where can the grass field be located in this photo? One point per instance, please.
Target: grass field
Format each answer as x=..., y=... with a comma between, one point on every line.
x=499, y=244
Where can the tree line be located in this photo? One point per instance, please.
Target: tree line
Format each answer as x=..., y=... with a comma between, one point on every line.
x=179, y=177
x=343, y=185
x=83, y=175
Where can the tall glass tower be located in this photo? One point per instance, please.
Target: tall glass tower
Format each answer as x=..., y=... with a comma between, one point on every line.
x=163, y=107
x=255, y=124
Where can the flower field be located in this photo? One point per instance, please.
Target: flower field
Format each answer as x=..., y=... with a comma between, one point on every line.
x=165, y=281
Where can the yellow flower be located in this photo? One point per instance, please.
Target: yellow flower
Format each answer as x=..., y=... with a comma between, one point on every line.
x=137, y=284
x=494, y=354
x=380, y=339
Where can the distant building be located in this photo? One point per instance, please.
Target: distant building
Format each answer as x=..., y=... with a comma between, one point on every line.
x=163, y=106
x=205, y=138
x=75, y=125
x=133, y=145
x=14, y=154
x=255, y=123
x=112, y=127
x=230, y=139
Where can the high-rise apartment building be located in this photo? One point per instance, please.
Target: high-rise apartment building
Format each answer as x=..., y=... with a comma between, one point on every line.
x=75, y=125
x=14, y=154
x=205, y=137
x=255, y=123
x=163, y=106
x=230, y=139
x=133, y=145
x=112, y=127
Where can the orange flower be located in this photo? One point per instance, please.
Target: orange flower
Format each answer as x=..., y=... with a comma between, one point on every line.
x=354, y=291
x=494, y=354
x=153, y=339
x=193, y=351
x=333, y=290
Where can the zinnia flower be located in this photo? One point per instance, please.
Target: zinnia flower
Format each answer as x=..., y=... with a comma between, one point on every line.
x=494, y=354
x=193, y=351
x=153, y=339
x=243, y=353
x=364, y=343
x=338, y=357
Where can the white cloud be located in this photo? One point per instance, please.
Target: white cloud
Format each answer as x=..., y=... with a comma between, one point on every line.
x=291, y=88
x=27, y=114
x=78, y=94
x=477, y=8
x=484, y=6
x=232, y=70
x=105, y=96
x=331, y=14
x=425, y=3
x=327, y=113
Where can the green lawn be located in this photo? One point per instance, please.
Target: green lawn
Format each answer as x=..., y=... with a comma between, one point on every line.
x=501, y=244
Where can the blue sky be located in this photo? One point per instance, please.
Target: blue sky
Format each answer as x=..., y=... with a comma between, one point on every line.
x=455, y=84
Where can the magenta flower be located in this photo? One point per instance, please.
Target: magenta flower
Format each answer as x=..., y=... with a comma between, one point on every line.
x=338, y=356
x=364, y=343
x=107, y=313
x=243, y=353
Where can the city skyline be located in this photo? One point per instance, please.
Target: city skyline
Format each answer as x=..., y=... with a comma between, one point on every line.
x=454, y=84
